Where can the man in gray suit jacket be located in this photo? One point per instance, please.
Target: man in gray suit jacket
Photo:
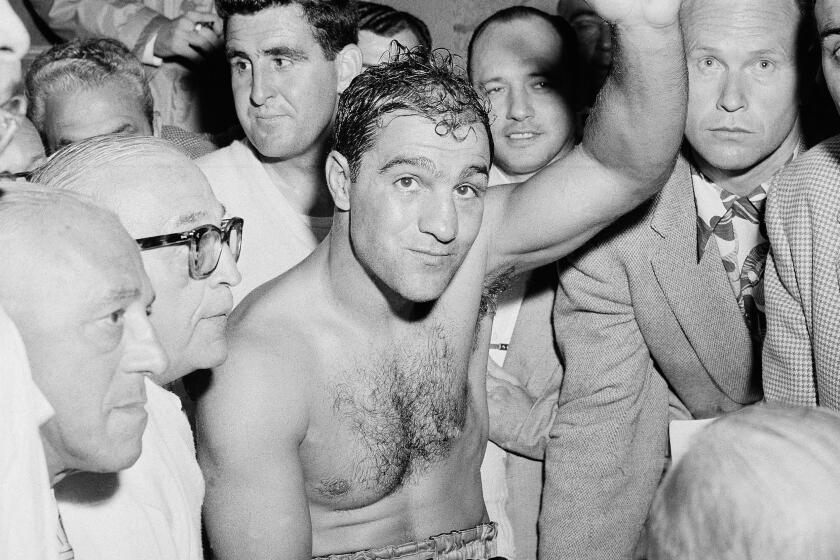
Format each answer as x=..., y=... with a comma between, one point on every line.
x=661, y=317
x=802, y=353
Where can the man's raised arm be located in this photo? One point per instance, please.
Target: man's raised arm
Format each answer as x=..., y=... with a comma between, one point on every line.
x=629, y=147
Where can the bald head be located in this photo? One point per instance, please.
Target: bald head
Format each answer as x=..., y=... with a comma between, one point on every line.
x=761, y=483
x=73, y=282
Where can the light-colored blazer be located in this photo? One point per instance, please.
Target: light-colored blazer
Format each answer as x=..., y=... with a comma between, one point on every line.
x=638, y=322
x=802, y=348
x=532, y=357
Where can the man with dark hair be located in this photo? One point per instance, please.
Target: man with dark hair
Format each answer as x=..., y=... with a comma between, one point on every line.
x=661, y=318
x=380, y=24
x=351, y=413
x=81, y=89
x=521, y=60
x=289, y=61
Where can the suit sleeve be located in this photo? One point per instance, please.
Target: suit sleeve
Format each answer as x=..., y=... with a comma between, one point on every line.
x=607, y=446
x=787, y=361
x=128, y=21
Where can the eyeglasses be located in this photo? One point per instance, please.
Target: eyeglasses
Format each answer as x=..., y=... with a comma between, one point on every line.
x=205, y=245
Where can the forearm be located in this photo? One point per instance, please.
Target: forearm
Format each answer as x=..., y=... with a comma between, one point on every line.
x=120, y=20
x=637, y=125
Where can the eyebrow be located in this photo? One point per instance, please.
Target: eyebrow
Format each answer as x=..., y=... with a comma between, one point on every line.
x=121, y=294
x=828, y=32
x=189, y=218
x=284, y=52
x=127, y=127
x=475, y=170
x=419, y=161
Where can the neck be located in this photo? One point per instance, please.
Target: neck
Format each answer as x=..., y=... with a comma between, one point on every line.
x=302, y=180
x=742, y=182
x=55, y=466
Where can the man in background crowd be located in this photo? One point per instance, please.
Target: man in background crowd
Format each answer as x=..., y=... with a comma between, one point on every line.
x=380, y=24
x=521, y=60
x=20, y=147
x=594, y=42
x=662, y=316
x=81, y=89
x=801, y=353
x=178, y=42
x=289, y=61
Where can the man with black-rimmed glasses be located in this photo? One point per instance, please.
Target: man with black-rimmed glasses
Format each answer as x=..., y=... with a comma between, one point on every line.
x=189, y=250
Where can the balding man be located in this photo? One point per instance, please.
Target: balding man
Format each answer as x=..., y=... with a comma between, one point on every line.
x=73, y=283
x=189, y=251
x=662, y=317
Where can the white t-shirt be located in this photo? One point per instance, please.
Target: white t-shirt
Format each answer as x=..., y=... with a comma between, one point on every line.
x=28, y=523
x=275, y=236
x=150, y=511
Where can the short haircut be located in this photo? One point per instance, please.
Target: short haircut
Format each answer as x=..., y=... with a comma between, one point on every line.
x=68, y=168
x=79, y=65
x=333, y=22
x=568, y=58
x=387, y=22
x=416, y=82
x=759, y=483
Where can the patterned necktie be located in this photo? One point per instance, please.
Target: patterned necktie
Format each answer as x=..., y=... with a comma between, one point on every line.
x=747, y=282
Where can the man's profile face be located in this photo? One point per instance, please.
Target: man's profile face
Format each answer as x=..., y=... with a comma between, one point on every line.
x=160, y=194
x=84, y=113
x=827, y=13
x=417, y=204
x=375, y=48
x=516, y=66
x=593, y=33
x=284, y=88
x=91, y=345
x=14, y=42
x=742, y=76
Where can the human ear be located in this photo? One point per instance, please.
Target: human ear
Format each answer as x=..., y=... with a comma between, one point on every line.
x=349, y=65
x=338, y=180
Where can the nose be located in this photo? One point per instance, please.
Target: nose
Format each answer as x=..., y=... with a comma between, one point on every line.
x=260, y=87
x=605, y=37
x=439, y=217
x=226, y=272
x=143, y=353
x=519, y=104
x=732, y=97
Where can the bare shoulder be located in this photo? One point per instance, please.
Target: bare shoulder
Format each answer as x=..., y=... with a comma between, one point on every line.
x=264, y=380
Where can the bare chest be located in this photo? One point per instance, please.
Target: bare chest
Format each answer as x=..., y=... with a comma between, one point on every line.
x=389, y=416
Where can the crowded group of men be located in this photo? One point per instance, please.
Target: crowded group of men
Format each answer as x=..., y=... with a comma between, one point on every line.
x=282, y=280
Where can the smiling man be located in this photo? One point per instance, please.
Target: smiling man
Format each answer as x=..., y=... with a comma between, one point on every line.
x=153, y=510
x=521, y=60
x=351, y=413
x=662, y=318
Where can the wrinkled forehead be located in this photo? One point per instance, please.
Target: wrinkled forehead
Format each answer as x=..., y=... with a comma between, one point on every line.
x=156, y=194
x=707, y=23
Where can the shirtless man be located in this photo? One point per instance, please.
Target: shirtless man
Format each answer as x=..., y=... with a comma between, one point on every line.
x=351, y=412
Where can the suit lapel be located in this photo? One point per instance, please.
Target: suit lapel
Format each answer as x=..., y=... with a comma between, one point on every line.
x=699, y=294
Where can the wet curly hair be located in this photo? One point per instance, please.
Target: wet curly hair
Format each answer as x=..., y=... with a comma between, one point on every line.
x=414, y=81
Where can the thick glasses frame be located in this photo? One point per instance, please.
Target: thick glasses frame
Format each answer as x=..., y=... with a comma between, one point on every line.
x=192, y=237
